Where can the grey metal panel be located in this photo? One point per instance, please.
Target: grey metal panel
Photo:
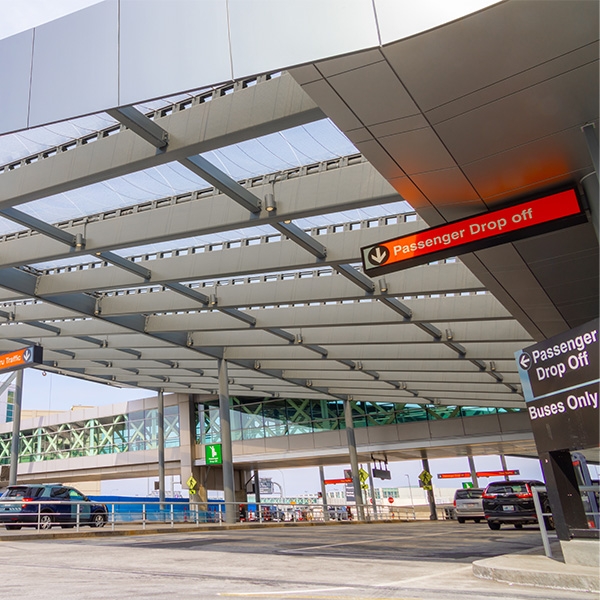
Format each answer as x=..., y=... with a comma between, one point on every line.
x=516, y=83
x=418, y=151
x=166, y=48
x=398, y=20
x=338, y=64
x=393, y=100
x=330, y=439
x=271, y=35
x=413, y=431
x=452, y=193
x=301, y=442
x=331, y=104
x=514, y=421
x=563, y=151
x=446, y=428
x=481, y=425
x=480, y=54
x=487, y=132
x=75, y=72
x=15, y=73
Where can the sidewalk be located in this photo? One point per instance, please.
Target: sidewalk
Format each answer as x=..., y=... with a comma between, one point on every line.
x=538, y=570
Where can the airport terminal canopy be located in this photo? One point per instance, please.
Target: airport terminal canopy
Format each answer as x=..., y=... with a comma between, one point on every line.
x=196, y=185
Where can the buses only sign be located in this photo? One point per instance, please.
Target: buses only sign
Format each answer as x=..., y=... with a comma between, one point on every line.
x=560, y=379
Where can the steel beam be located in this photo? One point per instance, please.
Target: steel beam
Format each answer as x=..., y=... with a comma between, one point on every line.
x=205, y=169
x=126, y=152
x=351, y=185
x=124, y=263
x=38, y=225
x=138, y=122
x=356, y=277
x=303, y=239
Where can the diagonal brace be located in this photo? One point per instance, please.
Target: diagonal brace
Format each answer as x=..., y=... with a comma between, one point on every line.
x=140, y=124
x=205, y=169
x=302, y=239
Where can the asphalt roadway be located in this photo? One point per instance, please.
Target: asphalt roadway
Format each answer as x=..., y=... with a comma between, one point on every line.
x=418, y=560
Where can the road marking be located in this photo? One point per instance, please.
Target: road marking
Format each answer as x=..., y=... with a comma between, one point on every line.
x=285, y=593
x=420, y=578
x=367, y=541
x=304, y=597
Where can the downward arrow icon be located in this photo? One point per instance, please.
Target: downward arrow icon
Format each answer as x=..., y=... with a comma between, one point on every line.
x=379, y=254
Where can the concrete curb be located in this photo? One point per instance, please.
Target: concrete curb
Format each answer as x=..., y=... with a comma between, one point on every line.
x=538, y=571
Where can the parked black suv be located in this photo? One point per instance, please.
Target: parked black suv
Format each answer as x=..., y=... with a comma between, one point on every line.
x=511, y=502
x=44, y=505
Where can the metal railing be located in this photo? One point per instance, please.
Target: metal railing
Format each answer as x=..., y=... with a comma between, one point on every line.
x=45, y=514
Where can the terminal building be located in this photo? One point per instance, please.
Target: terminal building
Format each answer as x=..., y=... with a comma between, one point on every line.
x=314, y=241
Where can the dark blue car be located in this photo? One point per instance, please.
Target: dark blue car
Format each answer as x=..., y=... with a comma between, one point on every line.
x=45, y=505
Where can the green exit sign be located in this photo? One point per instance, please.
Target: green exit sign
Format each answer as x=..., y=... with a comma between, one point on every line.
x=213, y=454
x=467, y=485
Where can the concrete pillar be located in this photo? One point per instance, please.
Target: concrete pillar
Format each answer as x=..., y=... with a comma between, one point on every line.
x=372, y=486
x=504, y=467
x=161, y=448
x=430, y=497
x=226, y=446
x=353, y=459
x=16, y=431
x=473, y=471
x=256, y=486
x=323, y=493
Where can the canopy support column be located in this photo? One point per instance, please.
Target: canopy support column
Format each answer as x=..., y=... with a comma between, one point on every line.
x=227, y=451
x=473, y=471
x=324, y=493
x=353, y=460
x=16, y=432
x=161, y=449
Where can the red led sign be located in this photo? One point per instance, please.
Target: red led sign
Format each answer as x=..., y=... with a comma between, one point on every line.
x=479, y=474
x=474, y=233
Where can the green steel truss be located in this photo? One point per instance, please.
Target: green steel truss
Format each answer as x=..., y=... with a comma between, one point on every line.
x=250, y=419
x=108, y=435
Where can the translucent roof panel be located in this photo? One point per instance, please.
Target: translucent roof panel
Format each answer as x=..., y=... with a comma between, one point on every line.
x=16, y=146
x=295, y=147
x=233, y=235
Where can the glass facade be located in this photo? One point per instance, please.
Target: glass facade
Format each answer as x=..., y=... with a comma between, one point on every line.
x=252, y=418
x=109, y=435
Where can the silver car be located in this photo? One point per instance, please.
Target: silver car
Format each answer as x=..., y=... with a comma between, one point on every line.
x=468, y=505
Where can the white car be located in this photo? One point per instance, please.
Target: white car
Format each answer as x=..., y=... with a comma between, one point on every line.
x=468, y=505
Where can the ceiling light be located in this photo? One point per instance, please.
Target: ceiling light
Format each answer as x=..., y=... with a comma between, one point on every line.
x=270, y=205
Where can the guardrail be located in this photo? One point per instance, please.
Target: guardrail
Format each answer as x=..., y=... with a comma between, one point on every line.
x=44, y=514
